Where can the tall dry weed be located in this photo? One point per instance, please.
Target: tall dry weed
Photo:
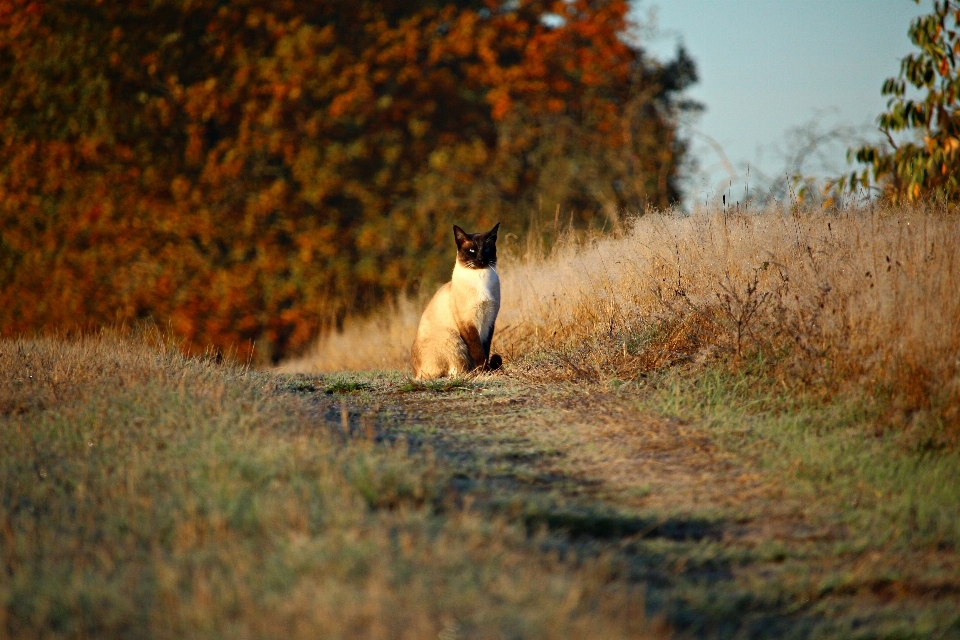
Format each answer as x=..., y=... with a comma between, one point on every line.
x=860, y=299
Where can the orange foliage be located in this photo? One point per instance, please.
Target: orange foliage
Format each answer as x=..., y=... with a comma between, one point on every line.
x=253, y=172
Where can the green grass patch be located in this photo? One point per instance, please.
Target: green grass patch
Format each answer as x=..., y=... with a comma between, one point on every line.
x=833, y=451
x=347, y=386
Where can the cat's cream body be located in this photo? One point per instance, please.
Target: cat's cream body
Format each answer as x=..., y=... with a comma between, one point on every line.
x=477, y=290
x=456, y=329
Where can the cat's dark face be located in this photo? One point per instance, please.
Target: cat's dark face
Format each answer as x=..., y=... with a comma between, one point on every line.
x=476, y=250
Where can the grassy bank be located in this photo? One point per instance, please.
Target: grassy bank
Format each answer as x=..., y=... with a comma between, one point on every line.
x=886, y=487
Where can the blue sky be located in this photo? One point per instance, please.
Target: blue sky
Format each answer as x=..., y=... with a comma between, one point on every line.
x=769, y=66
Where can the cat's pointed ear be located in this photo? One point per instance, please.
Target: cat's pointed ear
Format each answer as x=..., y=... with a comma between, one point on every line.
x=459, y=235
x=492, y=234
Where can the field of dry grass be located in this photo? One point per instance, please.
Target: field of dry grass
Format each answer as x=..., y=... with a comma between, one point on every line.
x=712, y=426
x=861, y=301
x=143, y=494
x=146, y=494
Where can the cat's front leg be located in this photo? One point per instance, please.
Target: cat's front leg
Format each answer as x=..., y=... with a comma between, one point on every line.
x=490, y=362
x=478, y=355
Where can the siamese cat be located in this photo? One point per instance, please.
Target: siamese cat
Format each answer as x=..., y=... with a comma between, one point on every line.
x=456, y=329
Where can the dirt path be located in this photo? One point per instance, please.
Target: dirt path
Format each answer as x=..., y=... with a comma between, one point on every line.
x=725, y=549
x=583, y=444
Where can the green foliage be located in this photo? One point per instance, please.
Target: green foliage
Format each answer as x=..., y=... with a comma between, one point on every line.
x=929, y=168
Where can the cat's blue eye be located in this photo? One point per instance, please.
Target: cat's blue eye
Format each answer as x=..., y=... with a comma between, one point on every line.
x=472, y=251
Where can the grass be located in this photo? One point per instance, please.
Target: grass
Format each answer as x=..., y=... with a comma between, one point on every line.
x=144, y=494
x=859, y=302
x=346, y=386
x=879, y=482
x=711, y=426
x=743, y=515
x=440, y=385
x=779, y=387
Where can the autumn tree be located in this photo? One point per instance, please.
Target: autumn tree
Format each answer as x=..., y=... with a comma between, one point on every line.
x=928, y=167
x=250, y=172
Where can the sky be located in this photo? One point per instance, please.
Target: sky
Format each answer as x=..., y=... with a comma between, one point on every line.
x=768, y=67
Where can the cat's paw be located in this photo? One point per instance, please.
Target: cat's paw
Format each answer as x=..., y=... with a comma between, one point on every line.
x=495, y=362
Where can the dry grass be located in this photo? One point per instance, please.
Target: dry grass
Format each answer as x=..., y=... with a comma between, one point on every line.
x=145, y=494
x=379, y=342
x=860, y=301
x=827, y=532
